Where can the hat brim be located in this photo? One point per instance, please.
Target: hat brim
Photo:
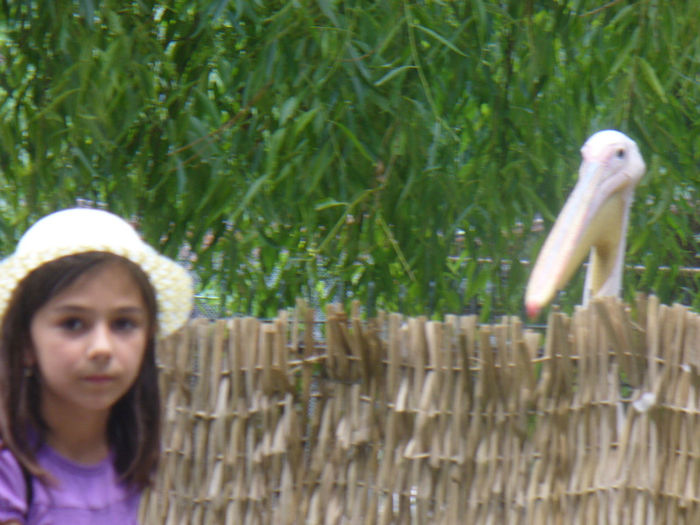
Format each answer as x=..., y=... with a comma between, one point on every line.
x=171, y=282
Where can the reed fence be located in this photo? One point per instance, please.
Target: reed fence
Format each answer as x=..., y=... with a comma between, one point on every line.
x=407, y=420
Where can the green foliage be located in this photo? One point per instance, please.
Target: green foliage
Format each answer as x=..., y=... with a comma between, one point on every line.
x=391, y=152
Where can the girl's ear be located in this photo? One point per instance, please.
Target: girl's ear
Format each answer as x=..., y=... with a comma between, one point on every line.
x=29, y=357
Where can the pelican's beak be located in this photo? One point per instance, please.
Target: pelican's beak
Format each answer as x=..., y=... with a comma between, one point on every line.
x=593, y=217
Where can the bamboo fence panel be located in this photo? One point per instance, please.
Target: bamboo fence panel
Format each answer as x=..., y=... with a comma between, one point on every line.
x=408, y=420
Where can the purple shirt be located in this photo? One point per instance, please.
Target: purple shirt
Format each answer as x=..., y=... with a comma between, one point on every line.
x=84, y=494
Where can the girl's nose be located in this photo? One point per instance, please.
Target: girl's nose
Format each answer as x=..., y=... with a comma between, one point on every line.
x=100, y=346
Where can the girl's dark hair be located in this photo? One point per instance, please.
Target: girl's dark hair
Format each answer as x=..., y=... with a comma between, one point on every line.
x=134, y=424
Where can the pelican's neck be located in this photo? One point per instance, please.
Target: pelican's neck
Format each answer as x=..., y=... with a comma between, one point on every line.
x=607, y=258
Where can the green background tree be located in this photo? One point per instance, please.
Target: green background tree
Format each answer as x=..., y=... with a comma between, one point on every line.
x=393, y=152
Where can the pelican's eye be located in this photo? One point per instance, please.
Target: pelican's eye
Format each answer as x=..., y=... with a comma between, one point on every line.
x=620, y=153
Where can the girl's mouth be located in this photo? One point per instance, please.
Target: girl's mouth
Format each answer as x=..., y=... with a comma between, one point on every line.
x=99, y=379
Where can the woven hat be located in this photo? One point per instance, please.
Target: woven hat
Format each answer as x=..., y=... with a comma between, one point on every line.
x=80, y=230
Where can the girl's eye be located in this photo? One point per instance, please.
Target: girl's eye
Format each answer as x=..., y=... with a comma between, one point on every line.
x=72, y=324
x=125, y=324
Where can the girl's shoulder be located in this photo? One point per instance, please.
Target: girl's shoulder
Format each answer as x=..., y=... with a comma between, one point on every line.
x=9, y=466
x=13, y=487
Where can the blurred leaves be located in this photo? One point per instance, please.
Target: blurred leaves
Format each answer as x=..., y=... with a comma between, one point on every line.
x=396, y=153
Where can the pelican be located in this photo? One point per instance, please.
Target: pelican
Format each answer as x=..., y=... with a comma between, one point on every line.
x=593, y=219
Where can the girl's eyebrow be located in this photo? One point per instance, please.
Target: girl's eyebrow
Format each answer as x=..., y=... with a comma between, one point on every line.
x=80, y=309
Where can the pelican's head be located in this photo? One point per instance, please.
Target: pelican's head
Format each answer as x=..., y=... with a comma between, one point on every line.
x=593, y=219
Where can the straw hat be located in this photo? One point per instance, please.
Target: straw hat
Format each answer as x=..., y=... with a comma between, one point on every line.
x=79, y=230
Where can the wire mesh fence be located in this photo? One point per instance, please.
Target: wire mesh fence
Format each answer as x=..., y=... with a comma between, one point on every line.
x=407, y=420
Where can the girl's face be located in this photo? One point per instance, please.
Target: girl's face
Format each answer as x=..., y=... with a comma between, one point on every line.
x=88, y=342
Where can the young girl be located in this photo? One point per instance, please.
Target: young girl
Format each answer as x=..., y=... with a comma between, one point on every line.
x=82, y=302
